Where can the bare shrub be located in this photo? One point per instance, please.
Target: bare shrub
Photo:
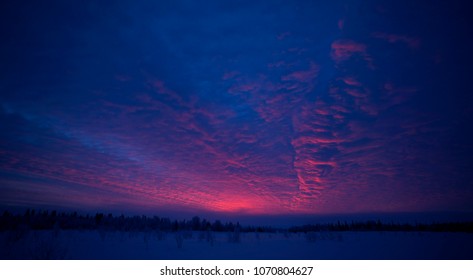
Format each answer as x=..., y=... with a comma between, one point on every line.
x=311, y=237
x=56, y=230
x=18, y=234
x=187, y=234
x=210, y=237
x=234, y=237
x=179, y=239
x=146, y=237
x=330, y=236
x=102, y=233
x=160, y=235
x=48, y=248
x=202, y=236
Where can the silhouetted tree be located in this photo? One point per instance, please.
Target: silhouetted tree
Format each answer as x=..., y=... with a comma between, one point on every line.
x=196, y=223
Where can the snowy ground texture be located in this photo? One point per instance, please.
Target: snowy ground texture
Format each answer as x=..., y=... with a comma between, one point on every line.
x=96, y=244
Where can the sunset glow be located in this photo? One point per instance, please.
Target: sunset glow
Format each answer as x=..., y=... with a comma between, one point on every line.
x=261, y=107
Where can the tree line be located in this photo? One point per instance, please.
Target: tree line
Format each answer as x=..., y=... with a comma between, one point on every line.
x=47, y=220
x=380, y=226
x=54, y=220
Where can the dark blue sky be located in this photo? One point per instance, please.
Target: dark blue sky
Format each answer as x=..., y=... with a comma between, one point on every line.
x=237, y=107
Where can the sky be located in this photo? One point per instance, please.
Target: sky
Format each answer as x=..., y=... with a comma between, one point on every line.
x=236, y=107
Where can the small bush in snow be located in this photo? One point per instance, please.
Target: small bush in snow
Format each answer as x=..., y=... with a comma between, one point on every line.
x=102, y=233
x=56, y=230
x=160, y=235
x=330, y=236
x=257, y=236
x=187, y=234
x=311, y=236
x=210, y=237
x=179, y=239
x=201, y=236
x=234, y=237
x=146, y=237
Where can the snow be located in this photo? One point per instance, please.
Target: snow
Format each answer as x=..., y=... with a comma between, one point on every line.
x=95, y=244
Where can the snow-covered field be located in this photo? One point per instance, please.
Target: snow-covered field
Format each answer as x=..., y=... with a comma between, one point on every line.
x=61, y=244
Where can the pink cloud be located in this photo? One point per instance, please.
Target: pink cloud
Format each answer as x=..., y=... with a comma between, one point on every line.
x=339, y=117
x=162, y=89
x=411, y=42
x=397, y=95
x=304, y=76
x=351, y=81
x=339, y=108
x=313, y=140
x=356, y=92
x=230, y=75
x=369, y=109
x=277, y=64
x=283, y=35
x=344, y=49
x=297, y=50
x=246, y=87
x=341, y=24
x=322, y=111
x=123, y=78
x=392, y=89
